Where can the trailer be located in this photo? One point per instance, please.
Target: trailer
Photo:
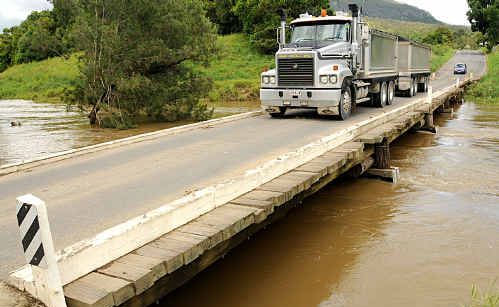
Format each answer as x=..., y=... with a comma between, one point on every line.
x=333, y=63
x=414, y=67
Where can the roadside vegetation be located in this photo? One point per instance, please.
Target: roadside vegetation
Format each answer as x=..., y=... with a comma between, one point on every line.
x=489, y=298
x=236, y=69
x=486, y=91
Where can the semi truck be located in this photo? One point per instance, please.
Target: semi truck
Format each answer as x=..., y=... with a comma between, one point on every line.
x=333, y=63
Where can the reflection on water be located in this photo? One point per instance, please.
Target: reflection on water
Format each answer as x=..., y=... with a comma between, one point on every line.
x=49, y=128
x=364, y=242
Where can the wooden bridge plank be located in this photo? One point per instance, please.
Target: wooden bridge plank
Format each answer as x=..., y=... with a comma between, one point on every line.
x=315, y=166
x=80, y=294
x=95, y=283
x=188, y=250
x=233, y=218
x=264, y=208
x=276, y=198
x=155, y=265
x=142, y=278
x=171, y=260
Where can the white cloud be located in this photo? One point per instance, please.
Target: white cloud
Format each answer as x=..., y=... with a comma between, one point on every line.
x=449, y=11
x=13, y=12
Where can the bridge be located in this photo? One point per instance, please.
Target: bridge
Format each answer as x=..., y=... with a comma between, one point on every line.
x=136, y=218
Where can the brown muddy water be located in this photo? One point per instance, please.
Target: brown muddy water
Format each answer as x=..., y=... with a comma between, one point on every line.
x=424, y=242
x=48, y=128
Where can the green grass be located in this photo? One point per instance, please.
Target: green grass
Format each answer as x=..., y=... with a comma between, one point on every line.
x=490, y=298
x=486, y=91
x=440, y=55
x=409, y=29
x=236, y=70
x=39, y=81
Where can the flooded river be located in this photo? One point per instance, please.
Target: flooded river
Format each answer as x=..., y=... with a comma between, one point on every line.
x=424, y=242
x=49, y=128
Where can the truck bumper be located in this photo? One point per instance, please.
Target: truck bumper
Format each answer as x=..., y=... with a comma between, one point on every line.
x=325, y=101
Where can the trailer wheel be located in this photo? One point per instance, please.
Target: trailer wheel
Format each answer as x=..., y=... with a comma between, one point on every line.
x=345, y=106
x=380, y=99
x=426, y=84
x=391, y=93
x=413, y=89
x=280, y=114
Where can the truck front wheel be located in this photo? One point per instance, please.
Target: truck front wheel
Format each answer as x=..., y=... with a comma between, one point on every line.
x=280, y=114
x=345, y=106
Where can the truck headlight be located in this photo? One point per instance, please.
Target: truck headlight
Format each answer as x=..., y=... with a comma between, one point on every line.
x=265, y=80
x=324, y=79
x=333, y=79
x=272, y=79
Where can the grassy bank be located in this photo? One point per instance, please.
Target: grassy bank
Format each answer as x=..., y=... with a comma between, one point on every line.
x=486, y=91
x=440, y=55
x=236, y=70
x=39, y=81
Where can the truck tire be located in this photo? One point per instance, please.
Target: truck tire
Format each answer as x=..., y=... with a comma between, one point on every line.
x=413, y=89
x=391, y=93
x=345, y=106
x=282, y=111
x=380, y=99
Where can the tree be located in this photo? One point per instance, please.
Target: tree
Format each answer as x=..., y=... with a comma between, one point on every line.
x=136, y=56
x=6, y=51
x=441, y=36
x=260, y=20
x=221, y=12
x=484, y=18
x=38, y=40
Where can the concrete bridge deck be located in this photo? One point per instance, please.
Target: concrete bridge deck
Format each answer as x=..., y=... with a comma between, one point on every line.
x=90, y=193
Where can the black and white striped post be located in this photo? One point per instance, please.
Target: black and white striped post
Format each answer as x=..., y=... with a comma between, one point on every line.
x=38, y=247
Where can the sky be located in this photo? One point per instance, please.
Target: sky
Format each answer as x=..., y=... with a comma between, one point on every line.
x=12, y=12
x=449, y=11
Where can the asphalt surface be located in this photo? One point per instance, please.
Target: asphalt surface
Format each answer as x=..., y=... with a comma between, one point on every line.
x=88, y=194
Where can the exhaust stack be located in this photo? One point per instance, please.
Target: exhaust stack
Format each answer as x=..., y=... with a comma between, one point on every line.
x=282, y=38
x=355, y=30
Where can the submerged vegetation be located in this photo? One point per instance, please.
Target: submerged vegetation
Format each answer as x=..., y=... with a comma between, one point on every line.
x=486, y=91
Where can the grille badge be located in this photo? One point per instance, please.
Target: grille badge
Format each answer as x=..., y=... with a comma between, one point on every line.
x=295, y=66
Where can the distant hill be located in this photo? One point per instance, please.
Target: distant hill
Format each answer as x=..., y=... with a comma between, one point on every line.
x=389, y=9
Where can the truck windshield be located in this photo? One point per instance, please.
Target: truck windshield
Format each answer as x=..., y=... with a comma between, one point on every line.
x=322, y=34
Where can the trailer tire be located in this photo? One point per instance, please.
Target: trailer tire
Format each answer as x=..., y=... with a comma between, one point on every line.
x=412, y=92
x=391, y=93
x=380, y=99
x=345, y=106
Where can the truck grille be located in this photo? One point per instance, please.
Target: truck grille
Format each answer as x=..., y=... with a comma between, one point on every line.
x=295, y=72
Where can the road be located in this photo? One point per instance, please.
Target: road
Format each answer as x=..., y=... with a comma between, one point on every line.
x=88, y=194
